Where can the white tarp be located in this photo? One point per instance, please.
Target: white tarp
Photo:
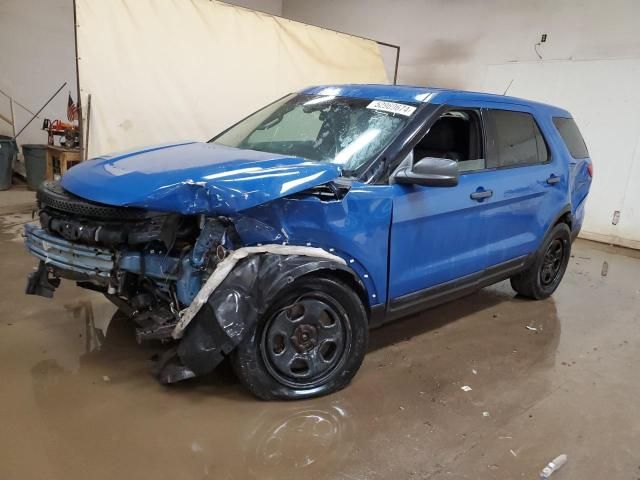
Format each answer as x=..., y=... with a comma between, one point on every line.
x=167, y=70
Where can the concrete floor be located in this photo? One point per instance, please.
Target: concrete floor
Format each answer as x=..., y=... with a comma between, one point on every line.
x=17, y=199
x=77, y=401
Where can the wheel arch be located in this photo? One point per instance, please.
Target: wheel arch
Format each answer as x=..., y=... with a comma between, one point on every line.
x=351, y=279
x=564, y=215
x=325, y=268
x=241, y=299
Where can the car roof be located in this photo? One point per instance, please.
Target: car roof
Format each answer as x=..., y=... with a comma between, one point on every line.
x=410, y=93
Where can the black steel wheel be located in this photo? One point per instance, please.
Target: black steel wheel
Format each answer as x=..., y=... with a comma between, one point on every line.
x=309, y=343
x=552, y=262
x=544, y=275
x=305, y=343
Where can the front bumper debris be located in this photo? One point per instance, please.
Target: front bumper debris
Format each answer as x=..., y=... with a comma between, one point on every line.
x=82, y=260
x=40, y=283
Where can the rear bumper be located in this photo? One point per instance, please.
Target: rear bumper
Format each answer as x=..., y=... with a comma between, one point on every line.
x=65, y=257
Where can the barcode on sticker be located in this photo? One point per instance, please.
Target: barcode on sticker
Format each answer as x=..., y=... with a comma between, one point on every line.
x=392, y=107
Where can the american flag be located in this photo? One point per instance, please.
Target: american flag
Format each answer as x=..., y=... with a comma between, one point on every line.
x=72, y=110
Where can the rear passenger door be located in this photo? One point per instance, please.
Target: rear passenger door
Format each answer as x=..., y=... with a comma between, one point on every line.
x=528, y=183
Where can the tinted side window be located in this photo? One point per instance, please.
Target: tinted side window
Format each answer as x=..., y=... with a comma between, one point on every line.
x=518, y=140
x=571, y=136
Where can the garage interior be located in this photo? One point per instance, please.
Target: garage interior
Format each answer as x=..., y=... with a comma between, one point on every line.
x=487, y=387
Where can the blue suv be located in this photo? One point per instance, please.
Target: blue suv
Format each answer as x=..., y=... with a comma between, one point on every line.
x=284, y=239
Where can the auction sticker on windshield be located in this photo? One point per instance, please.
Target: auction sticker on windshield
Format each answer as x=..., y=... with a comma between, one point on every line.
x=392, y=107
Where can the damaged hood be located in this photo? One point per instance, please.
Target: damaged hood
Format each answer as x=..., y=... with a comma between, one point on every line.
x=191, y=178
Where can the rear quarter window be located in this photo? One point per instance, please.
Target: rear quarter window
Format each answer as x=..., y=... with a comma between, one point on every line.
x=518, y=140
x=571, y=136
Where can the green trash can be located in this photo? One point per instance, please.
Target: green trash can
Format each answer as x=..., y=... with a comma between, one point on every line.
x=8, y=150
x=35, y=163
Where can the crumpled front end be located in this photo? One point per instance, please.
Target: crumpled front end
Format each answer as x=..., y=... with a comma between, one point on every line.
x=148, y=263
x=153, y=265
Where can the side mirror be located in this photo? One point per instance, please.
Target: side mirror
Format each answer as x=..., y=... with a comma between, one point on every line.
x=430, y=172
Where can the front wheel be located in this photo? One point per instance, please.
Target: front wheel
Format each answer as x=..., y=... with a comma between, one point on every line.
x=542, y=278
x=310, y=342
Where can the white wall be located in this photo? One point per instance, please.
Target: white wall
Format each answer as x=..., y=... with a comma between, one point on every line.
x=609, y=119
x=590, y=65
x=448, y=42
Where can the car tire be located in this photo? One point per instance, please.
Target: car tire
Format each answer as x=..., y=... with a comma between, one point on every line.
x=544, y=275
x=310, y=342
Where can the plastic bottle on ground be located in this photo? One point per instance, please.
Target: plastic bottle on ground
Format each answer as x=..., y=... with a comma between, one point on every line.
x=553, y=466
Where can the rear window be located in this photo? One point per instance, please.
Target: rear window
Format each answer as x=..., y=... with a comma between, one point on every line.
x=571, y=136
x=518, y=140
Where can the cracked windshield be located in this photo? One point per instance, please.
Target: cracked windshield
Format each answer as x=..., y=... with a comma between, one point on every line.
x=342, y=130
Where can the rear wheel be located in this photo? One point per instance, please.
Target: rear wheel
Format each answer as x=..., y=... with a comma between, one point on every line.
x=311, y=342
x=545, y=274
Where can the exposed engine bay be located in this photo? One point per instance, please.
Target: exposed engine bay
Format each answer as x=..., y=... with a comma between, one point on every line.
x=152, y=265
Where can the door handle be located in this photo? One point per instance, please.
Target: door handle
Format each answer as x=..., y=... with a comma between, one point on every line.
x=481, y=195
x=553, y=179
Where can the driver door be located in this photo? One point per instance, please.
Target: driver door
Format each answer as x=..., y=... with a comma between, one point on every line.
x=438, y=234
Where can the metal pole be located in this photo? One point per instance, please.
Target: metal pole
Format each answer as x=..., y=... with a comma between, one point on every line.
x=81, y=127
x=395, y=69
x=85, y=152
x=38, y=112
x=13, y=117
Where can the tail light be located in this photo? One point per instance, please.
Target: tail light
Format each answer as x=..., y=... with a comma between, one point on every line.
x=590, y=169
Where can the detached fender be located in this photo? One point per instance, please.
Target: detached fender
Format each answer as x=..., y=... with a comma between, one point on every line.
x=237, y=304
